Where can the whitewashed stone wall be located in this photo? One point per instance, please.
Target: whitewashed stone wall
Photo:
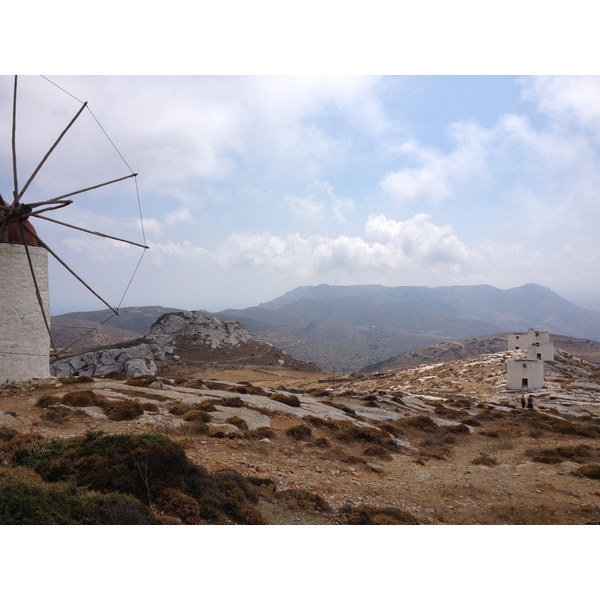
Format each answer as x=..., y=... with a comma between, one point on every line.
x=523, y=374
x=541, y=351
x=24, y=339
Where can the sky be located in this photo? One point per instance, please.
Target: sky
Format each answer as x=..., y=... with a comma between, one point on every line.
x=249, y=186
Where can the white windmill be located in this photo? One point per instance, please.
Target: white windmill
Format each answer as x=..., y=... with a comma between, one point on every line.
x=25, y=333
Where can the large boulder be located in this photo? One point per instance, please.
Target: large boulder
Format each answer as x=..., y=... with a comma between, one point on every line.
x=199, y=328
x=134, y=361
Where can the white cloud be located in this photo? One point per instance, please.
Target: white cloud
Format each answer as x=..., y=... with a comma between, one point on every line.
x=390, y=244
x=180, y=215
x=437, y=175
x=319, y=199
x=573, y=99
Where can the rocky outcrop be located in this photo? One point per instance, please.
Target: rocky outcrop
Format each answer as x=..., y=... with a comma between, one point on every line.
x=200, y=328
x=161, y=342
x=132, y=362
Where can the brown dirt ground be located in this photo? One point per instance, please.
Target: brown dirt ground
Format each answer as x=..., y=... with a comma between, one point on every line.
x=437, y=483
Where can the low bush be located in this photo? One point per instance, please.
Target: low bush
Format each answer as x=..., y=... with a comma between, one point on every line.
x=523, y=515
x=298, y=498
x=558, y=454
x=288, y=399
x=348, y=432
x=248, y=388
x=375, y=451
x=319, y=422
x=260, y=433
x=73, y=379
x=321, y=442
x=115, y=376
x=592, y=471
x=299, y=432
x=229, y=401
x=25, y=499
x=141, y=380
x=236, y=421
x=198, y=416
x=484, y=459
x=589, y=430
x=83, y=398
x=372, y=515
x=47, y=400
x=56, y=415
x=143, y=467
x=123, y=410
x=421, y=422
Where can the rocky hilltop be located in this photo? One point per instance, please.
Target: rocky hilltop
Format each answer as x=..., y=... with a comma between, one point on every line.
x=179, y=339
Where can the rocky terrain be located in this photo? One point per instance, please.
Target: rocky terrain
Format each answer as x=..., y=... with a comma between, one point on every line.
x=441, y=443
x=180, y=340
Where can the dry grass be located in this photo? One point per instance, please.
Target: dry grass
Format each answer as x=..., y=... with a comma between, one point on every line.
x=484, y=459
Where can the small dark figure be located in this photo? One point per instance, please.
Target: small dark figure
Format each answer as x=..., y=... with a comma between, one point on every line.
x=530, y=401
x=523, y=400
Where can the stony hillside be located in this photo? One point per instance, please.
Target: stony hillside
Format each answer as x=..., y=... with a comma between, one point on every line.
x=81, y=331
x=175, y=342
x=351, y=327
x=472, y=347
x=432, y=444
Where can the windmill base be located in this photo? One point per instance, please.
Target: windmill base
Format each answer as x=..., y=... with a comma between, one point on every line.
x=24, y=339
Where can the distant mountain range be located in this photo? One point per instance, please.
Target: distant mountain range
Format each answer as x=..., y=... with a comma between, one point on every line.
x=347, y=328
x=350, y=327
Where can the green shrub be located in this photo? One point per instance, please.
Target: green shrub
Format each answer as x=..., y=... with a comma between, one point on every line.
x=141, y=466
x=25, y=499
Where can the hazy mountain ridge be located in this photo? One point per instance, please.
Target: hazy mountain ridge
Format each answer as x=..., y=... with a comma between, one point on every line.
x=349, y=327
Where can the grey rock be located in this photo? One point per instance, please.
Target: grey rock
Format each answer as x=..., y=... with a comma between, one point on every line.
x=198, y=327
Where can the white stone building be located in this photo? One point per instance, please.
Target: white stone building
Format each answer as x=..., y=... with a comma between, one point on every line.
x=524, y=374
x=543, y=352
x=24, y=339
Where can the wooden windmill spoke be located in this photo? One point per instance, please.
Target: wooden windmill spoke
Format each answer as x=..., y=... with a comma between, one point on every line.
x=64, y=264
x=92, y=187
x=19, y=195
x=104, y=235
x=53, y=206
x=14, y=144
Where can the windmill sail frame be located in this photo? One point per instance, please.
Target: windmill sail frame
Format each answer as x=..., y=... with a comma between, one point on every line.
x=16, y=229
